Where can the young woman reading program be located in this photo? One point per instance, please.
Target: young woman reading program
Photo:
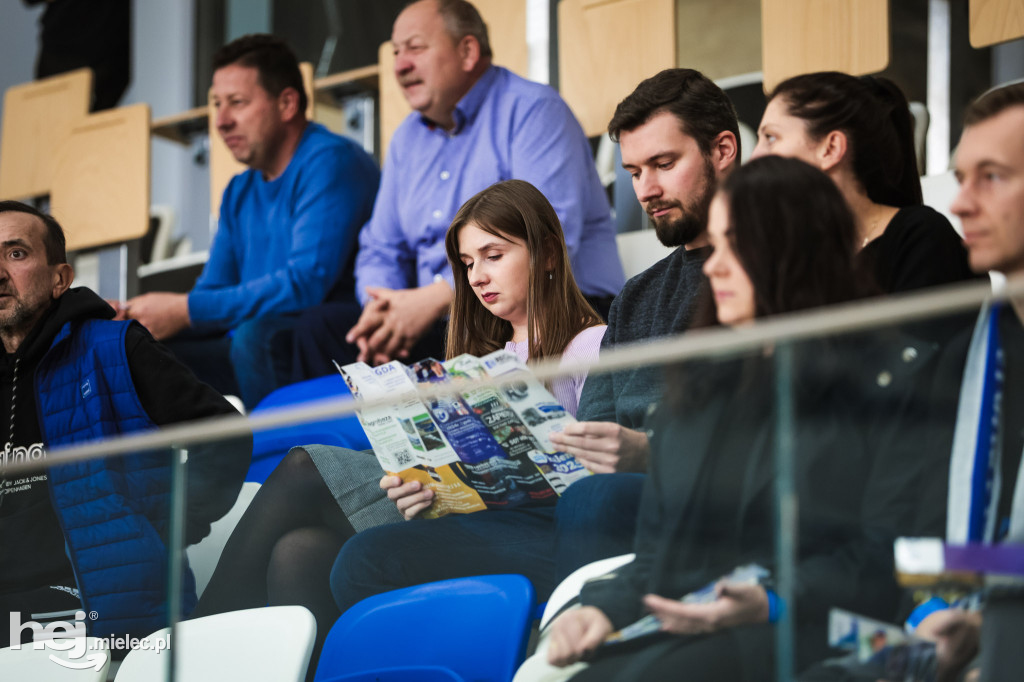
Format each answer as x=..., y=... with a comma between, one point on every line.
x=514, y=288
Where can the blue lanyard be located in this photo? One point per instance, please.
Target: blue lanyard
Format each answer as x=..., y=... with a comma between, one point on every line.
x=985, y=478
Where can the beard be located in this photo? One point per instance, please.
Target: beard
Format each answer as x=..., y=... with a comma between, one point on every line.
x=694, y=219
x=21, y=314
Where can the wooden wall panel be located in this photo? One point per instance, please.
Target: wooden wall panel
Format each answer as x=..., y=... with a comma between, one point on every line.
x=37, y=121
x=101, y=178
x=606, y=47
x=719, y=38
x=801, y=36
x=393, y=107
x=996, y=21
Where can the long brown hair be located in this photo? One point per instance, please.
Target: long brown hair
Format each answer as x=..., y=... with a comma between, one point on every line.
x=556, y=310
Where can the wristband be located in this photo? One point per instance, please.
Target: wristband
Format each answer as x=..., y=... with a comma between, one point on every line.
x=923, y=611
x=776, y=606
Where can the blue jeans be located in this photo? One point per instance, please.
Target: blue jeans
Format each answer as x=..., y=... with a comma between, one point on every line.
x=319, y=340
x=257, y=357
x=596, y=519
x=415, y=552
x=250, y=362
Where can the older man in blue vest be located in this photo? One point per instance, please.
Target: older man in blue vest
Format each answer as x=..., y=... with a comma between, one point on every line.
x=90, y=536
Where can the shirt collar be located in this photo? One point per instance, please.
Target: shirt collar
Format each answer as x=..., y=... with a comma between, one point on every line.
x=469, y=106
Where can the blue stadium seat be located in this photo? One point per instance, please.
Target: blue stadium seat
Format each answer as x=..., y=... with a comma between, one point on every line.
x=428, y=673
x=269, y=447
x=464, y=629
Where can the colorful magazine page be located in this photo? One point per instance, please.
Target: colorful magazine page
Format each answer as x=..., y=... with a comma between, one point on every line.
x=405, y=438
x=477, y=434
x=538, y=410
x=505, y=424
x=863, y=635
x=750, y=574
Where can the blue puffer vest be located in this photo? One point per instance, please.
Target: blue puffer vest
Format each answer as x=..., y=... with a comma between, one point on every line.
x=114, y=512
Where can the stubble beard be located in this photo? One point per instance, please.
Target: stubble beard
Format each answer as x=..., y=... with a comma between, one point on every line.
x=694, y=219
x=20, y=316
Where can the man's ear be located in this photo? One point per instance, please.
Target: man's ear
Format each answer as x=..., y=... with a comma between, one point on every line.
x=288, y=104
x=724, y=151
x=832, y=150
x=469, y=53
x=63, y=275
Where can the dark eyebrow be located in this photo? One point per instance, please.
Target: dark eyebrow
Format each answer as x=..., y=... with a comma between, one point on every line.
x=415, y=36
x=485, y=247
x=981, y=166
x=991, y=163
x=654, y=158
x=16, y=242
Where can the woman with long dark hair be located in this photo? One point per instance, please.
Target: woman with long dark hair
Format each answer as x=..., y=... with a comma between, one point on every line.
x=784, y=241
x=859, y=131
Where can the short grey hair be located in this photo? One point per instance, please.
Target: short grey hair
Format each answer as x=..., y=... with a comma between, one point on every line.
x=462, y=19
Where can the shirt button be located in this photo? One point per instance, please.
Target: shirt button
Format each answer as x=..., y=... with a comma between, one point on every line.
x=445, y=175
x=883, y=379
x=437, y=214
x=909, y=354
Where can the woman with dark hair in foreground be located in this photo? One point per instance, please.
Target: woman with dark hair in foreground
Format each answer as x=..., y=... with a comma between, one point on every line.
x=784, y=241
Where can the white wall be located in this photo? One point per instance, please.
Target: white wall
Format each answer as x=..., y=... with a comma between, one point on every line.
x=162, y=54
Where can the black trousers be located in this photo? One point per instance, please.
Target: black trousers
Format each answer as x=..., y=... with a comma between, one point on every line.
x=700, y=658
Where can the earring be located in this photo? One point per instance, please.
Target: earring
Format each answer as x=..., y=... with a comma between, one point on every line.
x=551, y=275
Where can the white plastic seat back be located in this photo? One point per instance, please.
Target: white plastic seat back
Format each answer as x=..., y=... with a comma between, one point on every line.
x=640, y=250
x=271, y=644
x=569, y=588
x=939, y=192
x=203, y=557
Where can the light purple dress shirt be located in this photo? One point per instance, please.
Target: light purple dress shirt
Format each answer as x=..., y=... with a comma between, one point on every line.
x=583, y=348
x=505, y=127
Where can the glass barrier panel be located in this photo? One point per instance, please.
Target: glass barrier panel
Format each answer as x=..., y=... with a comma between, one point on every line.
x=752, y=492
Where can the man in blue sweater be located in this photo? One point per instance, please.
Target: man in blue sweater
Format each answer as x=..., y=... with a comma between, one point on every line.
x=288, y=226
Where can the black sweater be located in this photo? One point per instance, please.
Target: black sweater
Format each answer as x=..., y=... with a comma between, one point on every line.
x=707, y=505
x=660, y=301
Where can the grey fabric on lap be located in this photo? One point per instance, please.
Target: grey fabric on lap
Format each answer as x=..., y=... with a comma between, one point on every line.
x=353, y=477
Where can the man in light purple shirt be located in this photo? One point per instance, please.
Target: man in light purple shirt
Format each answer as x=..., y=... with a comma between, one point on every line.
x=475, y=124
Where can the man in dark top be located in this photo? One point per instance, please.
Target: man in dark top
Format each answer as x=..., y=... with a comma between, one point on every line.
x=989, y=433
x=679, y=137
x=90, y=536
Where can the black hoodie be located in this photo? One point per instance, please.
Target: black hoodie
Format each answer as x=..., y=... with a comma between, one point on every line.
x=31, y=542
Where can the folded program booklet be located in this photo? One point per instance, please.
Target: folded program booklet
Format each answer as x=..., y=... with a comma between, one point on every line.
x=476, y=448
x=748, y=574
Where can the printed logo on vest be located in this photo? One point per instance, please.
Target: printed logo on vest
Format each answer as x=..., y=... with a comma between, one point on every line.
x=86, y=389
